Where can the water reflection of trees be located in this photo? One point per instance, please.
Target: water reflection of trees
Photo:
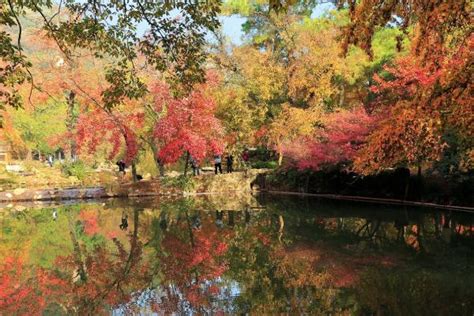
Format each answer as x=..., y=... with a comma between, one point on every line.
x=424, y=254
x=102, y=274
x=419, y=229
x=290, y=256
x=92, y=276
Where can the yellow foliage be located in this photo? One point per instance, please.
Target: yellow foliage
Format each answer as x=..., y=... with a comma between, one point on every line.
x=316, y=61
x=291, y=124
x=263, y=76
x=240, y=116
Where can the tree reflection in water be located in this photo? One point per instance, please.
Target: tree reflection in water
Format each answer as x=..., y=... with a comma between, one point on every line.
x=271, y=255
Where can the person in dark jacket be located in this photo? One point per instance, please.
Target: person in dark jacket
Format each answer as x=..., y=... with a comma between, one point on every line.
x=121, y=165
x=230, y=163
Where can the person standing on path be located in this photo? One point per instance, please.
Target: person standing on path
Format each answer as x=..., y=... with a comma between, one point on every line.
x=229, y=163
x=121, y=165
x=217, y=164
x=195, y=167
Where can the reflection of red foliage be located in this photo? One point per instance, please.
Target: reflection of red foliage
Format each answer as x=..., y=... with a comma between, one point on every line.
x=89, y=218
x=263, y=238
x=23, y=292
x=214, y=289
x=112, y=234
x=108, y=277
x=193, y=295
x=204, y=256
x=12, y=291
x=189, y=266
x=341, y=269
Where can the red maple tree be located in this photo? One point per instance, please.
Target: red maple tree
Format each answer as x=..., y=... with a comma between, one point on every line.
x=188, y=125
x=338, y=141
x=419, y=101
x=114, y=127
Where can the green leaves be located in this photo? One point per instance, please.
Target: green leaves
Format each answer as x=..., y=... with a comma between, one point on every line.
x=125, y=85
x=168, y=35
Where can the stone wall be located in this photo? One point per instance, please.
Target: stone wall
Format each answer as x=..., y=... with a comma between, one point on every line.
x=238, y=182
x=21, y=194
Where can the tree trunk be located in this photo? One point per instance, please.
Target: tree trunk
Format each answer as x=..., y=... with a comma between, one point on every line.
x=281, y=225
x=186, y=162
x=158, y=163
x=407, y=188
x=161, y=168
x=342, y=95
x=231, y=218
x=280, y=158
x=78, y=257
x=134, y=172
x=190, y=230
x=71, y=124
x=420, y=183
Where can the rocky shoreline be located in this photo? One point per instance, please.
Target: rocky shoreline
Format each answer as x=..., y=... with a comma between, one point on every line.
x=237, y=181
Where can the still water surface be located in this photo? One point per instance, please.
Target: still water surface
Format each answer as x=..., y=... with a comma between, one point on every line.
x=233, y=255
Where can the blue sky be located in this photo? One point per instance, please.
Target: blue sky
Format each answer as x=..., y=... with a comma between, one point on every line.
x=232, y=25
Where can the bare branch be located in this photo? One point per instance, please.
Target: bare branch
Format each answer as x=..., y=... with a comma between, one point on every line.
x=51, y=31
x=20, y=28
x=57, y=13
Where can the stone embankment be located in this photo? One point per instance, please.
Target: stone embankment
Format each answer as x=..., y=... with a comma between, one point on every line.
x=237, y=181
x=22, y=194
x=234, y=182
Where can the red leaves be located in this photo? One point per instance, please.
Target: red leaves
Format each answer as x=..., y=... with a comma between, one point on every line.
x=409, y=77
x=425, y=97
x=405, y=136
x=189, y=125
x=342, y=136
x=116, y=129
x=193, y=266
x=90, y=220
x=22, y=293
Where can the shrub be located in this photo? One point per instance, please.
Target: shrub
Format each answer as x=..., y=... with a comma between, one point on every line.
x=265, y=165
x=75, y=169
x=182, y=182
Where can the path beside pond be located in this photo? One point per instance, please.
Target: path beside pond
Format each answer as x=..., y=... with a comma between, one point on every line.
x=233, y=182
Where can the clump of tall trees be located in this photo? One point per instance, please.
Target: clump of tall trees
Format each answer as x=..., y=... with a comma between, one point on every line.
x=366, y=86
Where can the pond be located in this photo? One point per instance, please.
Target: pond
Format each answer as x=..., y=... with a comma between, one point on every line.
x=222, y=254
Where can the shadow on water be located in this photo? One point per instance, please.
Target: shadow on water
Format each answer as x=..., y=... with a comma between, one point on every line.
x=235, y=254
